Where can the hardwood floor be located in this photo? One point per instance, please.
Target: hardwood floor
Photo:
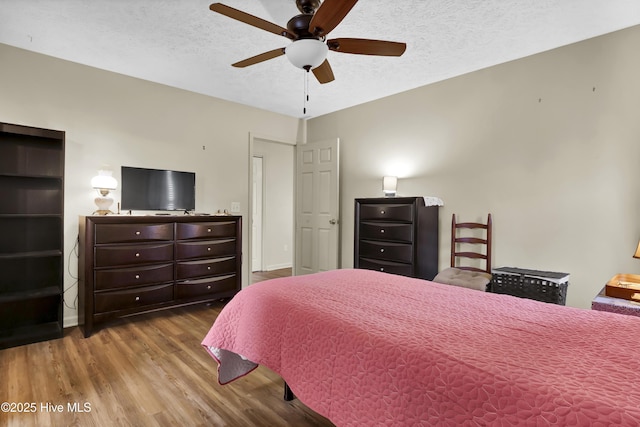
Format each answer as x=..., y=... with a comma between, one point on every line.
x=147, y=370
x=258, y=276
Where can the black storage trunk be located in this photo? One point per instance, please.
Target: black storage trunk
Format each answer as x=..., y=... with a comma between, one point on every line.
x=545, y=286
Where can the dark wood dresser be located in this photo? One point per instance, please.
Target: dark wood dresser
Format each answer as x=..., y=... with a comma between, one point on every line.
x=397, y=235
x=134, y=264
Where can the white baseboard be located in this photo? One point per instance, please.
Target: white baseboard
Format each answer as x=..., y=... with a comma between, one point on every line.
x=278, y=266
x=70, y=321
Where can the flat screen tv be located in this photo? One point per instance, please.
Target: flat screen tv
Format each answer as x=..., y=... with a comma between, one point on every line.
x=157, y=189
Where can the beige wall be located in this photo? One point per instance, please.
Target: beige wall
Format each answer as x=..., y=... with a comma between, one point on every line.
x=549, y=144
x=117, y=120
x=531, y=141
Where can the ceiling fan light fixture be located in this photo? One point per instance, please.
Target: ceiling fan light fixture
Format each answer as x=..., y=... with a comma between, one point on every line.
x=307, y=53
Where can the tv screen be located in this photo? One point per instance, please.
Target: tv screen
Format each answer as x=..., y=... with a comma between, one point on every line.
x=157, y=190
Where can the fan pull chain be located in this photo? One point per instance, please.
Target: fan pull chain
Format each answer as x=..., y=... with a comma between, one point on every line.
x=306, y=92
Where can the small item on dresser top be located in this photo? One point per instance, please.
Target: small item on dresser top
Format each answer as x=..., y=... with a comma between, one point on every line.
x=625, y=286
x=222, y=213
x=433, y=201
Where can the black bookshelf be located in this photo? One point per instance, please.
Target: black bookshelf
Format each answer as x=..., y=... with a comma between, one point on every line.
x=31, y=230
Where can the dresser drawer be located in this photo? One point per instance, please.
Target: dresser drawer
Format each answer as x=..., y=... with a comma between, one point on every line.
x=400, y=212
x=400, y=252
x=106, y=256
x=203, y=268
x=386, y=231
x=386, y=266
x=131, y=298
x=208, y=248
x=204, y=230
x=113, y=278
x=208, y=286
x=124, y=233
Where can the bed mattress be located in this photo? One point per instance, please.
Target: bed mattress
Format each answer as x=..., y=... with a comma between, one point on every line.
x=367, y=348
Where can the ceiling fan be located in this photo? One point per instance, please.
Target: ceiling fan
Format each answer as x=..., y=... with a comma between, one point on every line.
x=307, y=31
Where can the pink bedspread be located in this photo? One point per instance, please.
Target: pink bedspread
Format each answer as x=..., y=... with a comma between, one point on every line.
x=365, y=348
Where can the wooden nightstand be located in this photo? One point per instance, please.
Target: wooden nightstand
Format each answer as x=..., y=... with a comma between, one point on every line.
x=602, y=302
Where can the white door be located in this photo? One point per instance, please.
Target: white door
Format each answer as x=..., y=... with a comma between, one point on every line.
x=256, y=215
x=317, y=206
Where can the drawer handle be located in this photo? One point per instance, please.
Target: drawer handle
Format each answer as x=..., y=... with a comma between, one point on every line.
x=381, y=268
x=209, y=287
x=137, y=276
x=208, y=249
x=137, y=233
x=209, y=267
x=137, y=254
x=381, y=212
x=208, y=230
x=137, y=298
x=382, y=231
x=382, y=250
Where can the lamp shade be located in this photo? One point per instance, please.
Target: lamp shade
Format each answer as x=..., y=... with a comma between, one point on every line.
x=104, y=181
x=389, y=185
x=306, y=53
x=637, y=254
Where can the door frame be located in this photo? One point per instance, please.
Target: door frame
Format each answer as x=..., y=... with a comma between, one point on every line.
x=257, y=189
x=268, y=139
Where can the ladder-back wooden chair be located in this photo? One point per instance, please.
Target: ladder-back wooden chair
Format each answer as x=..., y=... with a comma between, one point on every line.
x=461, y=273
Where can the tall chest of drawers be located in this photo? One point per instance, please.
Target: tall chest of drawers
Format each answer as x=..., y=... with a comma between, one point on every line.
x=133, y=264
x=397, y=235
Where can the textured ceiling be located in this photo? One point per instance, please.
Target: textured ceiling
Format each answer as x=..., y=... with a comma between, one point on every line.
x=181, y=43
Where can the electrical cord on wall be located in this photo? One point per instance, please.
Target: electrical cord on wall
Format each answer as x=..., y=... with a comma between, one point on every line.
x=74, y=251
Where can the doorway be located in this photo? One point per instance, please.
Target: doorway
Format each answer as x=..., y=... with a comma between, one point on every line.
x=271, y=240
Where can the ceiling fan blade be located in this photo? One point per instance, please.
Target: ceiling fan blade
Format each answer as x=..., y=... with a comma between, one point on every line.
x=329, y=15
x=367, y=46
x=324, y=73
x=260, y=58
x=251, y=20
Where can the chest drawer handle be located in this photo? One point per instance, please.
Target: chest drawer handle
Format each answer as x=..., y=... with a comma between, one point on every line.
x=208, y=230
x=381, y=250
x=382, y=231
x=137, y=298
x=137, y=276
x=381, y=212
x=209, y=287
x=381, y=268
x=209, y=268
x=137, y=254
x=208, y=249
x=137, y=233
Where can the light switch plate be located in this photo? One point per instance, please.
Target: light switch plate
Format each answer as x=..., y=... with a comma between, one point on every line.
x=235, y=207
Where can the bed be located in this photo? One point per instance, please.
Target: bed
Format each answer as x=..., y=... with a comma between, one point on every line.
x=362, y=347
